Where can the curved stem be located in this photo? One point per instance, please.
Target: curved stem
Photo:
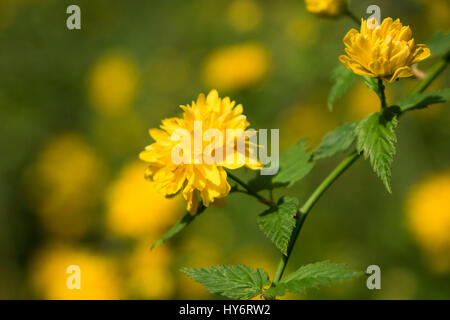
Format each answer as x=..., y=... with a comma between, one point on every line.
x=304, y=210
x=341, y=168
x=352, y=16
x=432, y=74
x=250, y=192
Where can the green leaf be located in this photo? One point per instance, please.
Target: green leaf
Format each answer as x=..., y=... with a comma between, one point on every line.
x=187, y=218
x=422, y=100
x=342, y=78
x=278, y=222
x=372, y=84
x=338, y=140
x=236, y=282
x=376, y=137
x=439, y=43
x=312, y=276
x=294, y=165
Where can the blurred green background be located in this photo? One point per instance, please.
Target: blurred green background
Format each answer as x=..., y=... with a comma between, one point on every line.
x=75, y=107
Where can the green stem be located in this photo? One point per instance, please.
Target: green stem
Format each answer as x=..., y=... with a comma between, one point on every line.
x=382, y=93
x=432, y=74
x=352, y=16
x=304, y=210
x=341, y=168
x=250, y=192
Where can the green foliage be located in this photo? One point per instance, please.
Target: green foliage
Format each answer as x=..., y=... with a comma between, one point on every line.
x=342, y=78
x=338, y=140
x=236, y=282
x=278, y=222
x=439, y=43
x=312, y=276
x=187, y=218
x=376, y=137
x=372, y=84
x=422, y=100
x=294, y=165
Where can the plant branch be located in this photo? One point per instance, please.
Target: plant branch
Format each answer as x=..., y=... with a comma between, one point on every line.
x=339, y=170
x=382, y=93
x=304, y=210
x=435, y=71
x=249, y=191
x=352, y=16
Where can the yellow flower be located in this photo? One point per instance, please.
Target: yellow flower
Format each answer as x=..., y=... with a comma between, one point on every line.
x=135, y=208
x=428, y=214
x=236, y=67
x=98, y=275
x=149, y=274
x=326, y=8
x=64, y=185
x=194, y=175
x=386, y=51
x=113, y=83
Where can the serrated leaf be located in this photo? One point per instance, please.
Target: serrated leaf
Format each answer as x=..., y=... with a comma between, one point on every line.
x=439, y=43
x=342, y=78
x=312, y=276
x=376, y=137
x=236, y=282
x=187, y=218
x=336, y=141
x=422, y=100
x=294, y=165
x=278, y=223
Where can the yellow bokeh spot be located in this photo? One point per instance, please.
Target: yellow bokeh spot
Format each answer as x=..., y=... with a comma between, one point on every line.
x=326, y=8
x=64, y=185
x=8, y=10
x=253, y=256
x=197, y=252
x=237, y=66
x=98, y=277
x=428, y=217
x=306, y=121
x=135, y=208
x=244, y=15
x=362, y=102
x=302, y=31
x=437, y=13
x=149, y=272
x=398, y=283
x=113, y=83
